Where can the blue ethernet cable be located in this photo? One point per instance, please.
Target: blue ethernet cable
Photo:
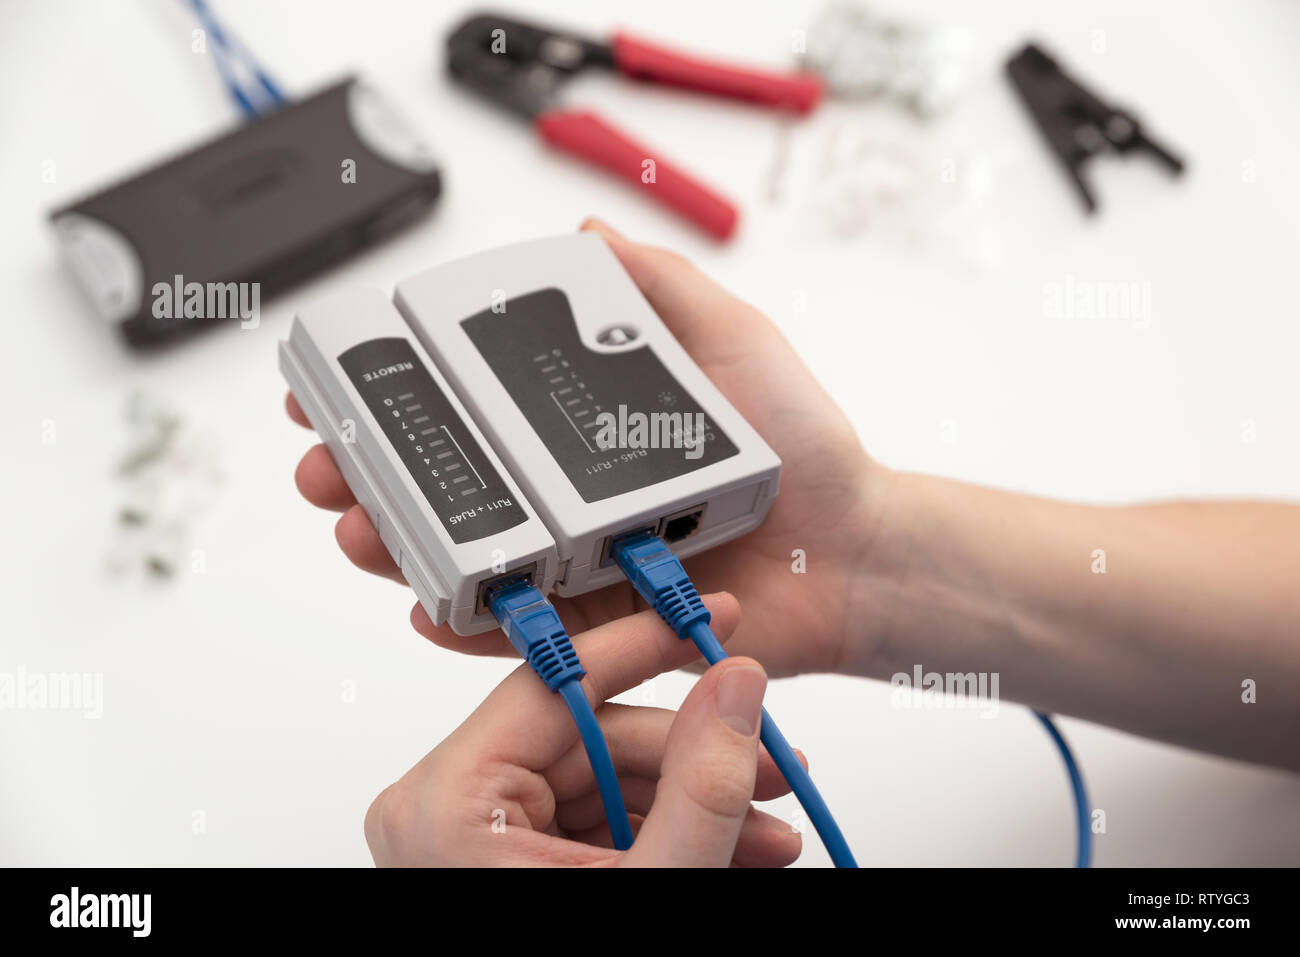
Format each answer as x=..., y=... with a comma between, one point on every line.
x=659, y=577
x=1084, y=853
x=225, y=47
x=535, y=631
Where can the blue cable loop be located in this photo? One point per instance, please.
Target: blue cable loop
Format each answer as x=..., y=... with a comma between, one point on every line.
x=535, y=631
x=1081, y=807
x=225, y=48
x=658, y=575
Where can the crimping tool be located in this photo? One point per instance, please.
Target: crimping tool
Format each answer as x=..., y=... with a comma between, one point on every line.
x=522, y=66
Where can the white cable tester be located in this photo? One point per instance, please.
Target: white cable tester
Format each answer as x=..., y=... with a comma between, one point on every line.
x=464, y=419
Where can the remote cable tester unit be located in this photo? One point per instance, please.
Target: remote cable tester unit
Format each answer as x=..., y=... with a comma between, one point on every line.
x=448, y=511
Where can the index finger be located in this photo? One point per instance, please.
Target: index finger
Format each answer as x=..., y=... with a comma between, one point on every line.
x=295, y=410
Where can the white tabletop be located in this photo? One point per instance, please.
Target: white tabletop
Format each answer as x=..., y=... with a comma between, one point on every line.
x=227, y=736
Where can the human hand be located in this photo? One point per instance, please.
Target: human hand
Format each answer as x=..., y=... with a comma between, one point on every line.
x=827, y=507
x=512, y=786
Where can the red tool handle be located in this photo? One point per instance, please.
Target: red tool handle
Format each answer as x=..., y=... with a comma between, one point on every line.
x=646, y=61
x=586, y=135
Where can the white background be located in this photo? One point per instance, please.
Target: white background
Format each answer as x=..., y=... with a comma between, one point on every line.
x=223, y=690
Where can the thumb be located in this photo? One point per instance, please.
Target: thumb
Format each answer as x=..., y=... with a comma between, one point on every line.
x=707, y=778
x=691, y=304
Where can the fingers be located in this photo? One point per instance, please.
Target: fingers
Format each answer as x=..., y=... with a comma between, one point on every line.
x=492, y=643
x=322, y=484
x=363, y=547
x=521, y=728
x=583, y=818
x=431, y=823
x=637, y=737
x=708, y=774
x=622, y=654
x=522, y=723
x=295, y=410
x=320, y=481
x=577, y=614
x=764, y=841
x=700, y=313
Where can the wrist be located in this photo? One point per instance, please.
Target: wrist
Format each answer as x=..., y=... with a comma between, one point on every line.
x=875, y=568
x=926, y=592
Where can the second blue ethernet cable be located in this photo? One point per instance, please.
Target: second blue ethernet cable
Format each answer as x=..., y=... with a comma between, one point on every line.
x=660, y=579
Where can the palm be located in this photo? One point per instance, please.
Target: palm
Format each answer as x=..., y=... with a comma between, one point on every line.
x=792, y=619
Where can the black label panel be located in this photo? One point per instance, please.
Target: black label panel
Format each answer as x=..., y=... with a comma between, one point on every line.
x=563, y=388
x=431, y=439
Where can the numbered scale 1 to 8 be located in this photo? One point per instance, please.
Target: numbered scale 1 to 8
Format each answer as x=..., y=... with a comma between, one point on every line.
x=436, y=447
